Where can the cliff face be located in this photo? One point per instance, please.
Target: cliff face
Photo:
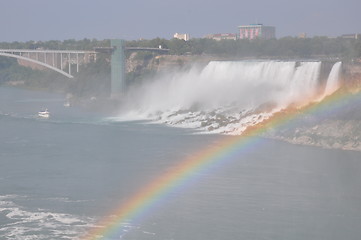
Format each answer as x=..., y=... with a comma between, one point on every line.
x=163, y=63
x=351, y=77
x=31, y=65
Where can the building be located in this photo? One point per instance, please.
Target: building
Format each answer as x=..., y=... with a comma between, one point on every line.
x=352, y=36
x=254, y=31
x=302, y=35
x=222, y=36
x=182, y=36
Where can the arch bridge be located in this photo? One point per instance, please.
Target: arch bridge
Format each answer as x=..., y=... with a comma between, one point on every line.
x=61, y=61
x=56, y=60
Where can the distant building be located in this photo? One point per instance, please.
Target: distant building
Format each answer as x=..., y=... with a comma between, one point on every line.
x=182, y=36
x=352, y=36
x=254, y=31
x=302, y=35
x=222, y=36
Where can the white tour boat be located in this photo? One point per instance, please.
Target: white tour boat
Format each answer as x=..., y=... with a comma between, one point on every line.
x=44, y=114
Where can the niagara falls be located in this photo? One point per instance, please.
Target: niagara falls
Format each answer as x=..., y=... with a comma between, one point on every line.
x=192, y=120
x=227, y=97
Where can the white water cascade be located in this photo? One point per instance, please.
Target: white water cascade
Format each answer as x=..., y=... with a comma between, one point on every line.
x=333, y=82
x=226, y=97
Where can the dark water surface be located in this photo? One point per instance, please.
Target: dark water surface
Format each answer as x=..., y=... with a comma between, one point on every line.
x=60, y=176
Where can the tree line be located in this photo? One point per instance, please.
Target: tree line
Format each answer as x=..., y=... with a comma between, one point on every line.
x=287, y=47
x=284, y=47
x=94, y=78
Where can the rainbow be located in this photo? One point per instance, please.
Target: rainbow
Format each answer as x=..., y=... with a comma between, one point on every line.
x=147, y=198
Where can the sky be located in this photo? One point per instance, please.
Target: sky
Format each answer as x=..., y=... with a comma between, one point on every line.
x=43, y=20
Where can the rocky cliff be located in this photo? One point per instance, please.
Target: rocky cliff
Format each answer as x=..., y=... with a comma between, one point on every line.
x=141, y=65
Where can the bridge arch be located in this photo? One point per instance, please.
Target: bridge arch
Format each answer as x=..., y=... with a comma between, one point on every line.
x=36, y=62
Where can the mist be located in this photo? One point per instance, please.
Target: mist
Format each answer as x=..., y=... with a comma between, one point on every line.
x=227, y=97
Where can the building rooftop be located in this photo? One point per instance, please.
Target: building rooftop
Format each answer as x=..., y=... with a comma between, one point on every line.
x=253, y=25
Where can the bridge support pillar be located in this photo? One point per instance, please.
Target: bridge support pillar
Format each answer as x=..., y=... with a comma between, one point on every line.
x=117, y=68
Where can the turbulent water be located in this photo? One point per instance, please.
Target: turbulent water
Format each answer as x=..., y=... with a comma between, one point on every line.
x=227, y=97
x=60, y=176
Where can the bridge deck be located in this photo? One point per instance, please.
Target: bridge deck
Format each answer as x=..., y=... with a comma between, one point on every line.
x=45, y=51
x=147, y=49
x=96, y=50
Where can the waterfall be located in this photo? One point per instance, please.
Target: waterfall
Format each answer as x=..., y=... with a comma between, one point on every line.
x=333, y=82
x=225, y=96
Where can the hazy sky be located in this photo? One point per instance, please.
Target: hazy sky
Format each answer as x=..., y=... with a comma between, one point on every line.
x=23, y=20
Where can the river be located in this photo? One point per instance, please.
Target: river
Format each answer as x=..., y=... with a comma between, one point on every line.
x=60, y=176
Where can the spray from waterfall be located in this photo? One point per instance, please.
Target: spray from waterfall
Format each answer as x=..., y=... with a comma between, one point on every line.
x=227, y=97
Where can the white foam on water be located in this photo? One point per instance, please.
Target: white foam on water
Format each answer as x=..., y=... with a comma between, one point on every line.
x=39, y=224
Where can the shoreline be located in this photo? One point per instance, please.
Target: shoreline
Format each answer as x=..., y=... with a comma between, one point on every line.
x=307, y=141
